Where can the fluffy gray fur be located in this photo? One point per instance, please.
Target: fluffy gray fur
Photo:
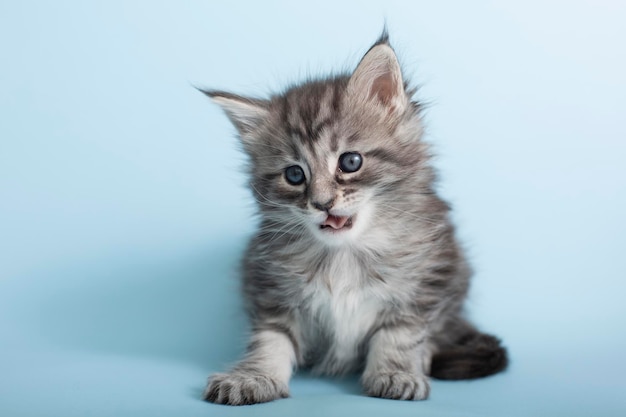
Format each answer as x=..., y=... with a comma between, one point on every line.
x=381, y=295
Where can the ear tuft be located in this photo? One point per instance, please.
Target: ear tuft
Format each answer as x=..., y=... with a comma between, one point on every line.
x=245, y=113
x=383, y=38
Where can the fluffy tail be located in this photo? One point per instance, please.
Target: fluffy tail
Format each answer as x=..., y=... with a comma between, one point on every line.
x=474, y=355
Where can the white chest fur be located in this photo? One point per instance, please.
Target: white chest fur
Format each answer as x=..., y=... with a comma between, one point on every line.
x=342, y=305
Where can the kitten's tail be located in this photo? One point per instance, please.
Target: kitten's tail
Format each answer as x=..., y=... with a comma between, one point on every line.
x=474, y=355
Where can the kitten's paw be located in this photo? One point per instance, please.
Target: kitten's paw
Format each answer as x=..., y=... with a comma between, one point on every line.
x=397, y=386
x=239, y=388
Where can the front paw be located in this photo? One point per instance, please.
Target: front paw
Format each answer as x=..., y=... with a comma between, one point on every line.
x=241, y=388
x=397, y=386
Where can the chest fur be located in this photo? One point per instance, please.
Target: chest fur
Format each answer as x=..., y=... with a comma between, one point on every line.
x=342, y=303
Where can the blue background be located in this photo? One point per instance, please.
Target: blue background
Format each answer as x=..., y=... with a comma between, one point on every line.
x=123, y=210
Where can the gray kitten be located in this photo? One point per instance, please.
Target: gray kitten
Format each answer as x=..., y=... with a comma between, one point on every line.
x=355, y=266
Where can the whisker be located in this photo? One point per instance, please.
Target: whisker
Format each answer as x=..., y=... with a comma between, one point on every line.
x=416, y=216
x=270, y=202
x=288, y=228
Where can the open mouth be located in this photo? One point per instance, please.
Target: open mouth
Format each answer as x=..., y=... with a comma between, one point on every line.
x=335, y=224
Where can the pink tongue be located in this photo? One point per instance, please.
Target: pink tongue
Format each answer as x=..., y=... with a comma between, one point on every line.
x=336, y=222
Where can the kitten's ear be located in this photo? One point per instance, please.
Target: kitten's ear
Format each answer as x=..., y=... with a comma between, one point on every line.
x=378, y=78
x=245, y=113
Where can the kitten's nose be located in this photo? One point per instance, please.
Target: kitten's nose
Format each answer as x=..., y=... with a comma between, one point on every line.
x=324, y=206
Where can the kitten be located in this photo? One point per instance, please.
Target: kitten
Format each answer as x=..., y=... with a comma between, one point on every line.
x=355, y=266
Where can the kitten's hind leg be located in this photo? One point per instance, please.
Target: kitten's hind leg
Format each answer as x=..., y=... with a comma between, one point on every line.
x=262, y=376
x=395, y=363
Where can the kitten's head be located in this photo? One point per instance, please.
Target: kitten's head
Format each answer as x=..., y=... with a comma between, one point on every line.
x=331, y=158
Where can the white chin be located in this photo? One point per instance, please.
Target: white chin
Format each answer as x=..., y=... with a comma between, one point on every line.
x=334, y=237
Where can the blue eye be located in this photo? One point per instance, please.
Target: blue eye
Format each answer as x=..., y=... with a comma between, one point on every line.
x=350, y=162
x=294, y=175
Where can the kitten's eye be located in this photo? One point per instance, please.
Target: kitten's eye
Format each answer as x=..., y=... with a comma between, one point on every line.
x=350, y=162
x=294, y=175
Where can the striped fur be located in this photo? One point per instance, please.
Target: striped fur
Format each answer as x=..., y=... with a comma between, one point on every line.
x=383, y=297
